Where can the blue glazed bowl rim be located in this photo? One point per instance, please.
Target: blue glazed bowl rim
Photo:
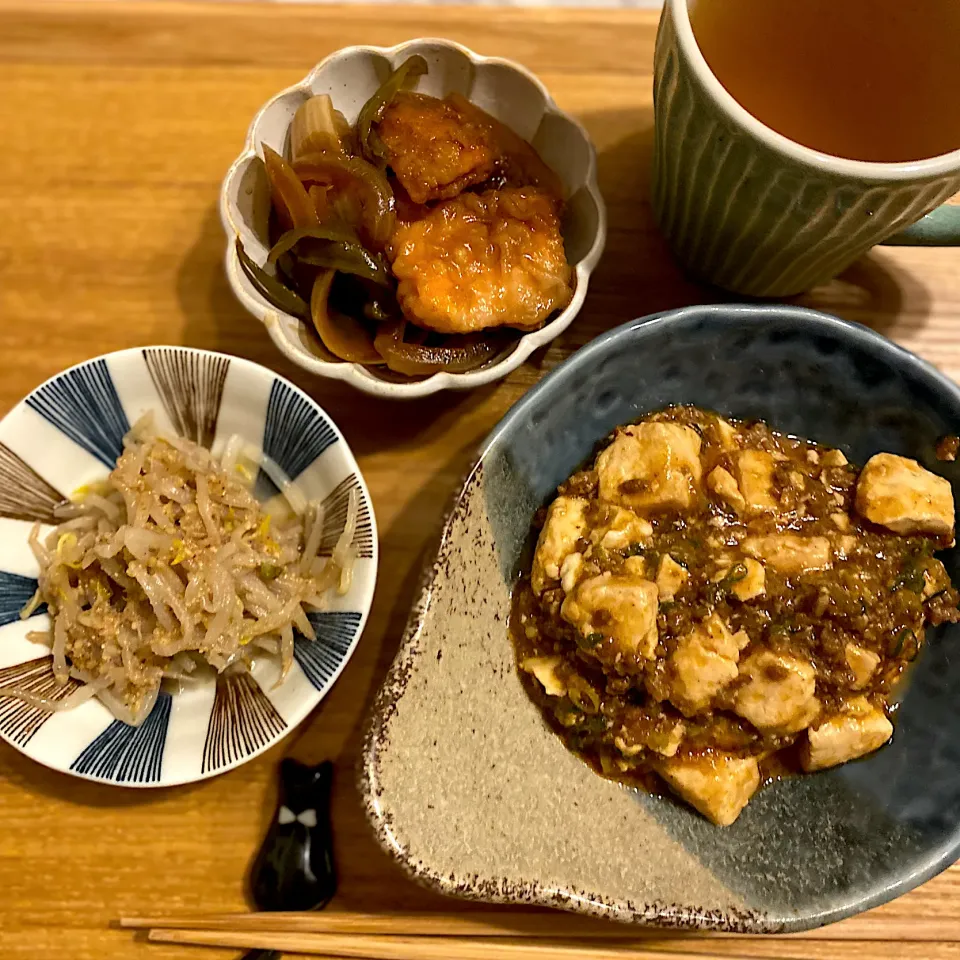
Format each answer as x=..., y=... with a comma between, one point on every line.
x=733, y=314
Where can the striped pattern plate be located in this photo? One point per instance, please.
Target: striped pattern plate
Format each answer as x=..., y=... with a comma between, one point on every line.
x=68, y=432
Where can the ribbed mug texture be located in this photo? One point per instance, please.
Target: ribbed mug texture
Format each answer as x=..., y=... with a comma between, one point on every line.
x=747, y=217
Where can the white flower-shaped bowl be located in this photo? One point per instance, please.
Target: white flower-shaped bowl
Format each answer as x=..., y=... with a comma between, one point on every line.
x=504, y=89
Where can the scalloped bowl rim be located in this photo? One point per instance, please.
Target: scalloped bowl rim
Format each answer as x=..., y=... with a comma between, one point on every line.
x=353, y=373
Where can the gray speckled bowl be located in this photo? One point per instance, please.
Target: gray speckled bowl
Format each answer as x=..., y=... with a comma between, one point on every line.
x=471, y=792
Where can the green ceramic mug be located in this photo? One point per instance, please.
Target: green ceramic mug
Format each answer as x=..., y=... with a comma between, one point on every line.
x=755, y=213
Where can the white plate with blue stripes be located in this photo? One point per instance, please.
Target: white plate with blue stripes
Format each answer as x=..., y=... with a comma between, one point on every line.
x=67, y=433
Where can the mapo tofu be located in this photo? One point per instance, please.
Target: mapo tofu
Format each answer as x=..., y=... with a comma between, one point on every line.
x=712, y=604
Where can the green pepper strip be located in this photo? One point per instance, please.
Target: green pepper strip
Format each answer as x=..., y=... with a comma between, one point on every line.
x=403, y=78
x=595, y=724
x=348, y=258
x=910, y=578
x=589, y=641
x=336, y=248
x=270, y=288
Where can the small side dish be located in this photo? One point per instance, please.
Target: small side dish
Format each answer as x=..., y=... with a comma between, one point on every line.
x=170, y=569
x=419, y=239
x=712, y=604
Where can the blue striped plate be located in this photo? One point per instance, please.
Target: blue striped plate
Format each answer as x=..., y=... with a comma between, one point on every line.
x=68, y=432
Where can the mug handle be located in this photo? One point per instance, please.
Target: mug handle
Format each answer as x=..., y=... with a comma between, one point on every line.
x=941, y=228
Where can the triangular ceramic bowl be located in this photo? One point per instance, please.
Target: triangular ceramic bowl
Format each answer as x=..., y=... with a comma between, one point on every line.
x=474, y=796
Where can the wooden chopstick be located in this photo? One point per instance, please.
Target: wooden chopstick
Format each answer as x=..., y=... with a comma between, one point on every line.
x=520, y=925
x=421, y=948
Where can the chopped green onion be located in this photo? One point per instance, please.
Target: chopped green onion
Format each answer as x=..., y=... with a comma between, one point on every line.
x=734, y=575
x=595, y=724
x=896, y=646
x=270, y=571
x=584, y=697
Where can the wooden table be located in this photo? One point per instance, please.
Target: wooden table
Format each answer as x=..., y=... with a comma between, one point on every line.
x=117, y=123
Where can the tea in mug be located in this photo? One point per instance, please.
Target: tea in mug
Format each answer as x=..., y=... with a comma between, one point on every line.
x=863, y=79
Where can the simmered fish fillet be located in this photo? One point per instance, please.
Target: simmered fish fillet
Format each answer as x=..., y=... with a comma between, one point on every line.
x=436, y=148
x=482, y=260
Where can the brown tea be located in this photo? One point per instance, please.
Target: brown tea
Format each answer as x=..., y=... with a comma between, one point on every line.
x=865, y=79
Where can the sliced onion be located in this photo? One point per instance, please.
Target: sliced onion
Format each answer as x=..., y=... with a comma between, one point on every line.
x=290, y=199
x=334, y=246
x=354, y=175
x=314, y=127
x=342, y=335
x=270, y=287
x=456, y=355
x=318, y=195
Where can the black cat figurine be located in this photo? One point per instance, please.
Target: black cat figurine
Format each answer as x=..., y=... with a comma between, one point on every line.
x=294, y=869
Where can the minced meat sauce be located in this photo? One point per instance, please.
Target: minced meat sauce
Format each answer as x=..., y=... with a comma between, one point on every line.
x=712, y=603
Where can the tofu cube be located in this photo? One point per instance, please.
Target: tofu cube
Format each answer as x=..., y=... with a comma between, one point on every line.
x=753, y=584
x=566, y=524
x=779, y=694
x=621, y=529
x=790, y=553
x=863, y=664
x=897, y=493
x=570, y=571
x=834, y=458
x=719, y=786
x=652, y=466
x=704, y=662
x=859, y=729
x=724, y=485
x=727, y=434
x=664, y=738
x=670, y=577
x=755, y=475
x=620, y=607
x=545, y=670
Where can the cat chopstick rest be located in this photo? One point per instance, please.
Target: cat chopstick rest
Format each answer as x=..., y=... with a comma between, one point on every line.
x=294, y=869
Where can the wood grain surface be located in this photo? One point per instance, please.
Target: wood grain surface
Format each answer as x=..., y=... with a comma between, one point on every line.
x=117, y=123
